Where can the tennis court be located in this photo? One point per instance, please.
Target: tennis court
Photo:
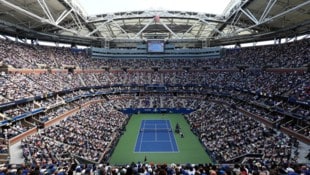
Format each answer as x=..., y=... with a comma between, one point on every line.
x=189, y=149
x=156, y=136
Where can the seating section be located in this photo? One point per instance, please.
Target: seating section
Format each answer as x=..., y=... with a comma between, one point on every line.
x=292, y=55
x=228, y=94
x=228, y=134
x=86, y=134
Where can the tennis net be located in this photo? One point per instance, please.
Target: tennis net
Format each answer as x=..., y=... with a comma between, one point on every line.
x=155, y=130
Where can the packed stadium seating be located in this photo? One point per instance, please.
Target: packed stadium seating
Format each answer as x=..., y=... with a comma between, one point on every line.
x=271, y=83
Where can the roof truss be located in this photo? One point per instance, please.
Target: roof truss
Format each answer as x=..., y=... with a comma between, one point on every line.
x=241, y=18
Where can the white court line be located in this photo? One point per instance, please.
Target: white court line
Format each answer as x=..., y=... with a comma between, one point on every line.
x=169, y=133
x=155, y=132
x=167, y=124
x=141, y=139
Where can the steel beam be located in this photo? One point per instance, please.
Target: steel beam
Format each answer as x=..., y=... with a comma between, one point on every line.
x=145, y=26
x=165, y=25
x=76, y=20
x=249, y=15
x=269, y=6
x=46, y=10
x=162, y=14
x=99, y=27
x=34, y=16
x=110, y=31
x=188, y=30
x=276, y=16
x=63, y=15
x=77, y=8
x=124, y=31
x=212, y=26
x=201, y=28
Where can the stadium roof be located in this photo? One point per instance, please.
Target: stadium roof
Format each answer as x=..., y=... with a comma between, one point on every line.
x=94, y=7
x=241, y=21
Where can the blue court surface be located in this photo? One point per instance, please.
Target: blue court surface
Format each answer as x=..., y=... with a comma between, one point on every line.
x=156, y=136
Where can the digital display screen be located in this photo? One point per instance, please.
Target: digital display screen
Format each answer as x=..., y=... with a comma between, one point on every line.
x=155, y=46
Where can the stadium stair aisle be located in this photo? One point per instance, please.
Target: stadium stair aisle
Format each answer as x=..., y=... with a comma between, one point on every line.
x=16, y=152
x=304, y=149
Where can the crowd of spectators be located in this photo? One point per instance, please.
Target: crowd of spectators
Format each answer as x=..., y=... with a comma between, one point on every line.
x=227, y=134
x=19, y=86
x=251, y=167
x=294, y=85
x=155, y=101
x=89, y=136
x=19, y=55
x=86, y=134
x=294, y=54
x=258, y=129
x=14, y=130
x=210, y=122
